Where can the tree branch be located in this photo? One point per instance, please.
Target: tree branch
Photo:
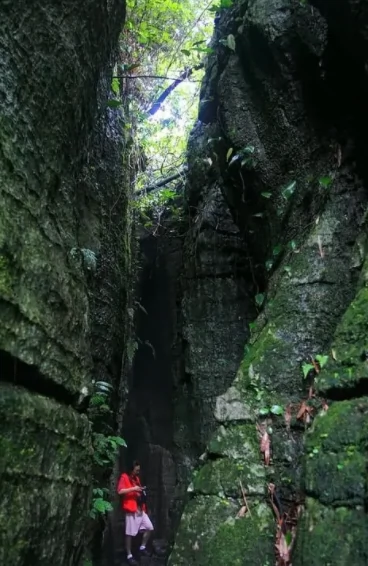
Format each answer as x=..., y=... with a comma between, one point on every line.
x=160, y=183
x=163, y=96
x=150, y=77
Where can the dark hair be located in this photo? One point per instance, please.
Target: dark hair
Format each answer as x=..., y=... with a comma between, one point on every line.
x=135, y=463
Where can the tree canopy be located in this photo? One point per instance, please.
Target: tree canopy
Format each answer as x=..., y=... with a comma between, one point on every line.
x=162, y=52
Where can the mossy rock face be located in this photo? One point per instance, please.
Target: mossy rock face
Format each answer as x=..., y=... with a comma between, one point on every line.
x=45, y=467
x=211, y=534
x=237, y=442
x=350, y=368
x=64, y=262
x=6, y=279
x=333, y=528
x=336, y=457
x=302, y=237
x=293, y=326
x=223, y=477
x=331, y=536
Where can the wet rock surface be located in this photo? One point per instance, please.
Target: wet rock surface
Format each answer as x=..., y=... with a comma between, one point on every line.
x=265, y=271
x=60, y=176
x=295, y=187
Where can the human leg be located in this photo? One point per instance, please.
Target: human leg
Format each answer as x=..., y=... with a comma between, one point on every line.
x=145, y=538
x=131, y=530
x=128, y=545
x=146, y=529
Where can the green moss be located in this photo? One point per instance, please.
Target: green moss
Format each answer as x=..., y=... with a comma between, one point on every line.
x=248, y=540
x=210, y=533
x=350, y=346
x=5, y=277
x=45, y=467
x=337, y=478
x=222, y=477
x=264, y=366
x=336, y=454
x=331, y=537
x=235, y=441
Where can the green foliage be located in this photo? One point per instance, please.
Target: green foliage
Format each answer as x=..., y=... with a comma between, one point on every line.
x=306, y=368
x=152, y=206
x=162, y=39
x=254, y=382
x=105, y=445
x=99, y=403
x=222, y=5
x=322, y=360
x=246, y=156
x=288, y=191
x=259, y=299
x=325, y=182
x=115, y=85
x=100, y=505
x=274, y=410
x=106, y=448
x=277, y=410
x=114, y=103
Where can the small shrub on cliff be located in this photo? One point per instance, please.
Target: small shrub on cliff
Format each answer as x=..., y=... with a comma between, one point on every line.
x=105, y=444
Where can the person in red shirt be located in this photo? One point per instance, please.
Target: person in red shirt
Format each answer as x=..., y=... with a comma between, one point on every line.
x=134, y=506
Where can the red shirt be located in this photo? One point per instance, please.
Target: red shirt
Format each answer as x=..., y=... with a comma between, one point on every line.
x=129, y=503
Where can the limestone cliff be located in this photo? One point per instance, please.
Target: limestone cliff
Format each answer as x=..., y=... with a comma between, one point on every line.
x=64, y=263
x=279, y=154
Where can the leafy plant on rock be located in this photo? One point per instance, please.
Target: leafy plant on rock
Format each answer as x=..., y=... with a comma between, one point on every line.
x=100, y=505
x=105, y=444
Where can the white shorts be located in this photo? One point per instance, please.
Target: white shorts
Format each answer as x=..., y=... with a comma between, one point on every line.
x=137, y=522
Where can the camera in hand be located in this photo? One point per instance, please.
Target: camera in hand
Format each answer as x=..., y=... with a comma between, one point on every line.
x=142, y=498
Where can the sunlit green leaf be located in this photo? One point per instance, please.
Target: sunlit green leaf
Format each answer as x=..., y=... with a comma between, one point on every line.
x=288, y=191
x=306, y=368
x=264, y=411
x=325, y=182
x=277, y=410
x=115, y=85
x=322, y=360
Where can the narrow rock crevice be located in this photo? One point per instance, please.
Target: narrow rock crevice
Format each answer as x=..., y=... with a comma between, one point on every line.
x=358, y=390
x=15, y=372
